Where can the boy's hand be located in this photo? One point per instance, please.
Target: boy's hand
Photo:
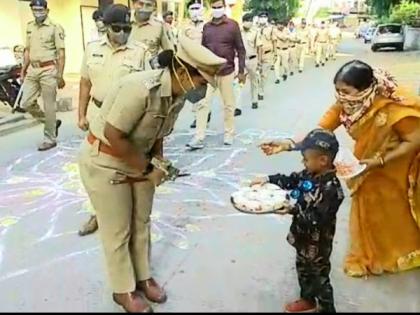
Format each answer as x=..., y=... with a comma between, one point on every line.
x=283, y=211
x=259, y=181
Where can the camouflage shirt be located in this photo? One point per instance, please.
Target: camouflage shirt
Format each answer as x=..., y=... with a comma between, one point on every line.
x=314, y=214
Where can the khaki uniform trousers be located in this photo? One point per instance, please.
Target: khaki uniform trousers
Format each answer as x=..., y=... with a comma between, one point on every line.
x=263, y=75
x=321, y=53
x=332, y=48
x=302, y=50
x=123, y=213
x=282, y=65
x=224, y=84
x=42, y=81
x=251, y=66
x=293, y=59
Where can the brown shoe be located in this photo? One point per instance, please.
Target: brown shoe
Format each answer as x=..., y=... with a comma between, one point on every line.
x=301, y=306
x=89, y=227
x=46, y=146
x=132, y=303
x=152, y=291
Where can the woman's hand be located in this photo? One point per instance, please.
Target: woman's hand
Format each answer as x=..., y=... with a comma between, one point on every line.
x=259, y=181
x=156, y=176
x=370, y=164
x=275, y=147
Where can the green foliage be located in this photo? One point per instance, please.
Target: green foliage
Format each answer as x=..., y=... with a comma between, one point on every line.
x=382, y=7
x=323, y=13
x=279, y=9
x=408, y=12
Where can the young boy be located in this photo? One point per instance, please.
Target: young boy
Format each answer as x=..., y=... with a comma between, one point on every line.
x=318, y=195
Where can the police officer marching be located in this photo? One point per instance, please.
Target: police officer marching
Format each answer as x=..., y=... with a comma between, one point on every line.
x=321, y=43
x=148, y=30
x=117, y=169
x=293, y=52
x=265, y=44
x=43, y=70
x=281, y=36
x=105, y=62
x=303, y=44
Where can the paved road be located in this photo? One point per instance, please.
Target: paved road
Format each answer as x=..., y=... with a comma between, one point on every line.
x=210, y=257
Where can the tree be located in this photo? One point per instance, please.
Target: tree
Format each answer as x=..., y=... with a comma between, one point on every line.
x=408, y=12
x=383, y=8
x=279, y=9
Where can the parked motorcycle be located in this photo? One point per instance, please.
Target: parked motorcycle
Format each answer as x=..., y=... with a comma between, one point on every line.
x=10, y=85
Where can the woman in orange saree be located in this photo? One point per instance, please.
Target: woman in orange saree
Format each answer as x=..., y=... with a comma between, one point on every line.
x=384, y=122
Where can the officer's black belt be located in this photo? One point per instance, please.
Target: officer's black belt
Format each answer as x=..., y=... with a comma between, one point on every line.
x=267, y=52
x=252, y=57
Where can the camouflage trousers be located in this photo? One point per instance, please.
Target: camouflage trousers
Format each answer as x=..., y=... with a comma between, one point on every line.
x=314, y=281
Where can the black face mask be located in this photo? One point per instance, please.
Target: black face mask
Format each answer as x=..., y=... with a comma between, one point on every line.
x=197, y=94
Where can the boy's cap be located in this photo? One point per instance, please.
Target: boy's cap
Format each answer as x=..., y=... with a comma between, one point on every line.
x=320, y=139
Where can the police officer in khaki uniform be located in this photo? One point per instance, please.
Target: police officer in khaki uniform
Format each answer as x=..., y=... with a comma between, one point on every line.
x=193, y=29
x=335, y=36
x=281, y=36
x=265, y=44
x=250, y=37
x=148, y=30
x=303, y=44
x=293, y=42
x=116, y=162
x=106, y=61
x=43, y=69
x=171, y=31
x=321, y=42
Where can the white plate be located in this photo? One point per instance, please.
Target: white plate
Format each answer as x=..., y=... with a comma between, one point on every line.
x=360, y=170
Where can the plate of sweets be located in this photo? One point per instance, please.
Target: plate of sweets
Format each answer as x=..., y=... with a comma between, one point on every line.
x=260, y=199
x=347, y=165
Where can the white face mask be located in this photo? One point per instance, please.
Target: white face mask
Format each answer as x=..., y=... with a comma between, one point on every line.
x=196, y=13
x=218, y=13
x=263, y=20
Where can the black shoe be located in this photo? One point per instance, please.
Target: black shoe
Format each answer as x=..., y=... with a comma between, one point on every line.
x=323, y=64
x=260, y=97
x=194, y=124
x=284, y=77
x=208, y=117
x=326, y=59
x=317, y=66
x=57, y=126
x=254, y=105
x=277, y=81
x=238, y=112
x=272, y=68
x=292, y=73
x=300, y=71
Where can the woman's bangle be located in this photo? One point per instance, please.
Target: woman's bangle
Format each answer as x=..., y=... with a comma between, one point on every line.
x=381, y=161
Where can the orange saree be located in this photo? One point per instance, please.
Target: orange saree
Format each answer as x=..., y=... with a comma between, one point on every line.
x=385, y=211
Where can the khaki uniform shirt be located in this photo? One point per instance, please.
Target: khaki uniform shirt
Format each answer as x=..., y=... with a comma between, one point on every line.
x=103, y=64
x=303, y=35
x=250, y=41
x=153, y=35
x=193, y=31
x=281, y=38
x=141, y=106
x=171, y=33
x=322, y=36
x=44, y=40
x=334, y=33
x=293, y=38
x=265, y=38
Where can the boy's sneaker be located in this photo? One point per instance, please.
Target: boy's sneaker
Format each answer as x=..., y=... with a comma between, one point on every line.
x=301, y=306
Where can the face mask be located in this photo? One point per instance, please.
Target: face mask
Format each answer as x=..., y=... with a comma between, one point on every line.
x=263, y=21
x=100, y=26
x=247, y=25
x=218, y=13
x=143, y=16
x=197, y=94
x=120, y=38
x=40, y=16
x=195, y=14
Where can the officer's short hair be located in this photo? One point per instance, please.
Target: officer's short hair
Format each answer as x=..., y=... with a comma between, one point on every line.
x=98, y=14
x=39, y=3
x=248, y=17
x=191, y=2
x=167, y=13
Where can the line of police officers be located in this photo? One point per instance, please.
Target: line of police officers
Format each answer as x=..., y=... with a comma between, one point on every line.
x=122, y=48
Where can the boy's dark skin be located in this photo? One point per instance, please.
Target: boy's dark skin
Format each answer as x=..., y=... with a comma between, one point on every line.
x=313, y=226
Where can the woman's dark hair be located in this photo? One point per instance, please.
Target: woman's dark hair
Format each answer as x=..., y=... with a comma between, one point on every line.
x=357, y=74
x=166, y=57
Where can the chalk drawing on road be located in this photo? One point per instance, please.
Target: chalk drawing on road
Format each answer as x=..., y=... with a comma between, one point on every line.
x=44, y=187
